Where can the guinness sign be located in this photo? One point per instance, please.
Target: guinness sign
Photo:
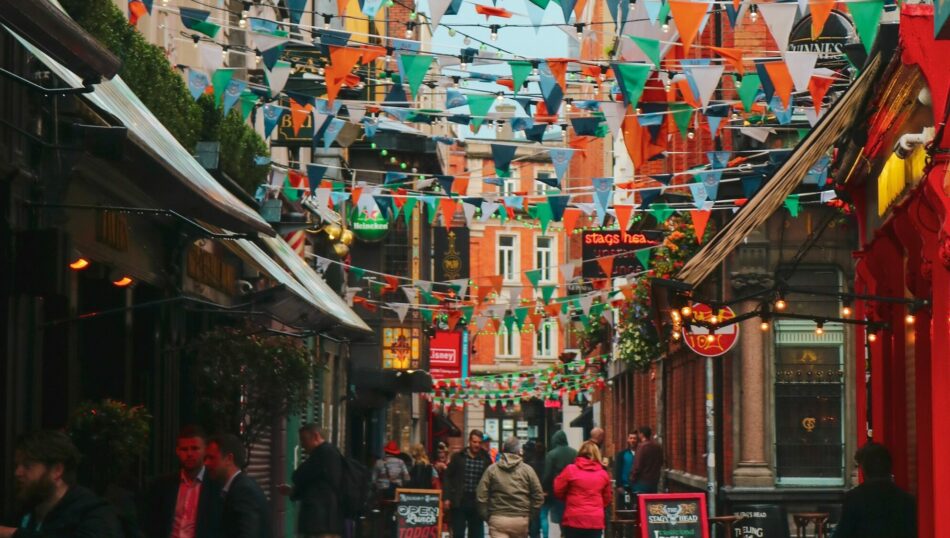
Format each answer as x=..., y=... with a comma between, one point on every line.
x=838, y=32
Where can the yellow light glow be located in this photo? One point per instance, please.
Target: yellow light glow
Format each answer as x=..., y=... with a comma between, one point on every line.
x=909, y=319
x=845, y=311
x=79, y=264
x=872, y=337
x=764, y=326
x=122, y=282
x=687, y=311
x=780, y=304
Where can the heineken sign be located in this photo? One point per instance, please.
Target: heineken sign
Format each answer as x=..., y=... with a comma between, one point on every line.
x=369, y=226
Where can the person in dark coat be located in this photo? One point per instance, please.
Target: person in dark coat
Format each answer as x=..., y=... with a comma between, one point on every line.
x=246, y=513
x=462, y=476
x=315, y=485
x=185, y=503
x=559, y=456
x=50, y=504
x=648, y=463
x=877, y=508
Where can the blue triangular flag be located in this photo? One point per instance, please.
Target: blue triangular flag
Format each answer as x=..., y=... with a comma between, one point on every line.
x=333, y=128
x=767, y=87
x=586, y=126
x=339, y=197
x=818, y=174
x=393, y=177
x=514, y=202
x=710, y=180
x=272, y=115
x=699, y=194
x=647, y=196
x=295, y=9
x=549, y=181
x=315, y=174
x=535, y=133
x=232, y=93
x=782, y=114
x=369, y=127
x=550, y=90
x=502, y=155
x=197, y=83
x=561, y=158
x=718, y=159
x=567, y=7
x=558, y=203
x=663, y=178
x=446, y=183
x=454, y=98
x=751, y=185
x=603, y=192
x=385, y=205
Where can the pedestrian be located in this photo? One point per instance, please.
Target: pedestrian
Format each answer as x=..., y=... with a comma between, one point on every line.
x=623, y=466
x=584, y=486
x=558, y=457
x=534, y=457
x=597, y=435
x=390, y=472
x=187, y=503
x=441, y=461
x=422, y=474
x=509, y=493
x=877, y=508
x=245, y=513
x=486, y=446
x=48, y=500
x=648, y=463
x=461, y=481
x=316, y=483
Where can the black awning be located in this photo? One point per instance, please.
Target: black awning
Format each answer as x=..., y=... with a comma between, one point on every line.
x=585, y=419
x=49, y=28
x=391, y=381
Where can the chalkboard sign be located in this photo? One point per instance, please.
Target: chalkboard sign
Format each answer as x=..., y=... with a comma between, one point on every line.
x=419, y=513
x=760, y=521
x=673, y=515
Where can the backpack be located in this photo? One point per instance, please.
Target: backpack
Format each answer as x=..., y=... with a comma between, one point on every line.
x=354, y=488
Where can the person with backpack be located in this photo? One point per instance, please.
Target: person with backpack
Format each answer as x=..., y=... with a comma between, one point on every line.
x=316, y=483
x=422, y=475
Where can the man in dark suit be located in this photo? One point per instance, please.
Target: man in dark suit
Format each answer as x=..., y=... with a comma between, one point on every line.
x=316, y=483
x=185, y=504
x=246, y=513
x=878, y=508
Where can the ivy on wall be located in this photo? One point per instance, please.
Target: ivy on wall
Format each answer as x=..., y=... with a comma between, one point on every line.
x=147, y=72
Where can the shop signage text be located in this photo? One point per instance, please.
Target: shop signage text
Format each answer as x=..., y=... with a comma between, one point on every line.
x=209, y=269
x=710, y=342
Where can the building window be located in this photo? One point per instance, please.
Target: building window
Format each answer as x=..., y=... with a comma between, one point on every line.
x=507, y=255
x=544, y=258
x=545, y=342
x=396, y=249
x=809, y=388
x=507, y=343
x=544, y=188
x=511, y=185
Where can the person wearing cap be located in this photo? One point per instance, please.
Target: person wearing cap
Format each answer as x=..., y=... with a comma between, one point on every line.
x=390, y=472
x=486, y=446
x=509, y=494
x=461, y=480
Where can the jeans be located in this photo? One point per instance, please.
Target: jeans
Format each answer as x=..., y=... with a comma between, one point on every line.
x=466, y=516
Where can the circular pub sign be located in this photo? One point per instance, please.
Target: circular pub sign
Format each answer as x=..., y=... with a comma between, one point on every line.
x=369, y=226
x=710, y=342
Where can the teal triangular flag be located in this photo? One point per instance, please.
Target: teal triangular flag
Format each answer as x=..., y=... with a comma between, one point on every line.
x=643, y=256
x=534, y=276
x=478, y=106
x=520, y=70
x=650, y=47
x=661, y=211
x=748, y=90
x=220, y=80
x=867, y=17
x=792, y=203
x=415, y=66
x=547, y=291
x=631, y=78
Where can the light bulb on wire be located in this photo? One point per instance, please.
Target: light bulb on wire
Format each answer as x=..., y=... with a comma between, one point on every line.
x=494, y=32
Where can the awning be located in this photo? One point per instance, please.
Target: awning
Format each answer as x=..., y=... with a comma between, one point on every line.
x=194, y=193
x=771, y=196
x=47, y=26
x=321, y=293
x=585, y=419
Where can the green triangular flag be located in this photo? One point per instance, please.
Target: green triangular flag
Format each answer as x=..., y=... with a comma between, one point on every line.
x=478, y=106
x=220, y=80
x=661, y=212
x=429, y=298
x=792, y=204
x=520, y=314
x=534, y=276
x=357, y=273
x=547, y=291
x=650, y=47
x=543, y=4
x=597, y=309
x=520, y=70
x=866, y=16
x=467, y=312
x=207, y=28
x=426, y=315
x=415, y=66
x=643, y=256
x=509, y=323
x=248, y=101
x=664, y=12
x=377, y=287
x=748, y=89
x=502, y=214
x=290, y=191
x=682, y=115
x=632, y=79
x=543, y=214
x=407, y=209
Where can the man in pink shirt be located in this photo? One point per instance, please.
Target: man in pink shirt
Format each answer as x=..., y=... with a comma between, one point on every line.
x=185, y=504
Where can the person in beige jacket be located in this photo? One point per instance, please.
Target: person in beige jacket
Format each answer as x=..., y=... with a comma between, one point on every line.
x=509, y=493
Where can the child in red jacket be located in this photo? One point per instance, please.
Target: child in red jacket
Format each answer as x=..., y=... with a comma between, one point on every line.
x=584, y=486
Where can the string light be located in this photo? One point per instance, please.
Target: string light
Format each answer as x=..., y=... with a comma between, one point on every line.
x=500, y=97
x=909, y=319
x=410, y=28
x=845, y=311
x=820, y=328
x=764, y=326
x=580, y=31
x=754, y=13
x=780, y=303
x=494, y=32
x=713, y=320
x=872, y=337
x=686, y=311
x=666, y=25
x=326, y=21
x=197, y=39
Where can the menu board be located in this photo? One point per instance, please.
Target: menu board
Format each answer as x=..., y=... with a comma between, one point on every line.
x=673, y=515
x=418, y=513
x=760, y=521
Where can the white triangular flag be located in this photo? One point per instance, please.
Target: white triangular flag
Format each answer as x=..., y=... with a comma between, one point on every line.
x=812, y=117
x=567, y=270
x=613, y=113
x=357, y=113
x=469, y=210
x=827, y=196
x=437, y=9
x=423, y=285
x=480, y=322
x=462, y=284
x=587, y=207
x=779, y=18
x=322, y=264
x=322, y=197
x=277, y=77
x=210, y=56
x=707, y=80
x=759, y=134
x=586, y=302
x=488, y=209
x=801, y=66
x=412, y=294
x=514, y=297
x=350, y=293
x=264, y=41
x=401, y=309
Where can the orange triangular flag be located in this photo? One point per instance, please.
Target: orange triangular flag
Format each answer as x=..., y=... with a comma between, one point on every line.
x=490, y=11
x=495, y=323
x=558, y=67
x=496, y=282
x=342, y=61
x=820, y=9
x=355, y=194
x=687, y=93
x=454, y=317
x=733, y=56
x=579, y=10
x=627, y=292
x=298, y=115
x=341, y=7
x=700, y=220
x=781, y=80
x=569, y=220
x=448, y=206
x=371, y=52
x=460, y=185
x=818, y=86
x=535, y=320
x=606, y=265
x=623, y=216
x=688, y=16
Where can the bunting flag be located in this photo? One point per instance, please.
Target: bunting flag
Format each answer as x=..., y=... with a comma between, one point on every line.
x=415, y=67
x=569, y=220
x=682, y=116
x=220, y=80
x=561, y=158
x=643, y=256
x=866, y=15
x=567, y=7
x=779, y=17
x=613, y=115
x=688, y=16
x=818, y=87
x=295, y=9
x=520, y=70
x=277, y=77
x=631, y=78
x=197, y=83
x=661, y=212
x=479, y=105
x=197, y=20
x=624, y=212
x=698, y=190
x=272, y=115
x=801, y=65
x=558, y=204
x=700, y=220
x=437, y=9
x=607, y=266
x=232, y=93
x=502, y=154
x=491, y=11
x=603, y=192
x=650, y=48
x=748, y=91
x=820, y=10
x=137, y=9
x=551, y=92
x=706, y=78
x=781, y=79
x=733, y=56
x=792, y=203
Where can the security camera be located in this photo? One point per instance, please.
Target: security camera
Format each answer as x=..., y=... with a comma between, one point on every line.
x=245, y=287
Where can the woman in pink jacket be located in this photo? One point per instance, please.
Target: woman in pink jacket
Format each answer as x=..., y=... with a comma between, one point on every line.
x=584, y=486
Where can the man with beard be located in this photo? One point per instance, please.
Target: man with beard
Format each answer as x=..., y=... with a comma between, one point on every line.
x=184, y=504
x=246, y=513
x=49, y=502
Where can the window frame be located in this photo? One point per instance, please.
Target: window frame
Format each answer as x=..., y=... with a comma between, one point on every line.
x=548, y=328
x=513, y=251
x=548, y=272
x=513, y=341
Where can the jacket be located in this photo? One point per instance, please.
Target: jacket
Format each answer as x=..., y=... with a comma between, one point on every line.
x=509, y=487
x=316, y=483
x=622, y=469
x=584, y=486
x=455, y=475
x=558, y=457
x=159, y=501
x=246, y=513
x=878, y=508
x=79, y=514
x=647, y=466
